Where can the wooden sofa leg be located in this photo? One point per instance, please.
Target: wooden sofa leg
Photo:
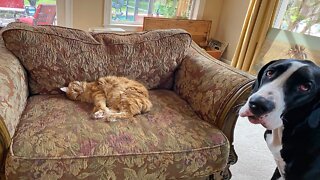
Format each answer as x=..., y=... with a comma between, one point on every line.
x=233, y=158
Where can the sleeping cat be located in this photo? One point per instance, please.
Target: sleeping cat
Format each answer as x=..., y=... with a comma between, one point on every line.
x=113, y=97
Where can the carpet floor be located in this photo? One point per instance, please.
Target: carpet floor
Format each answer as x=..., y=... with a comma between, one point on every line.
x=255, y=161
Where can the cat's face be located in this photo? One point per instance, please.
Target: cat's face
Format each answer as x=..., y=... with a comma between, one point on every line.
x=74, y=90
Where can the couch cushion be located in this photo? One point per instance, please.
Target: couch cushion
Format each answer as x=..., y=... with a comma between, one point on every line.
x=54, y=56
x=56, y=138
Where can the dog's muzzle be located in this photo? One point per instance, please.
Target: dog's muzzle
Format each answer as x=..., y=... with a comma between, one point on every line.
x=260, y=105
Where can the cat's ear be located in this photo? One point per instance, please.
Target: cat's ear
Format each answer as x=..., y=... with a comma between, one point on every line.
x=77, y=82
x=64, y=89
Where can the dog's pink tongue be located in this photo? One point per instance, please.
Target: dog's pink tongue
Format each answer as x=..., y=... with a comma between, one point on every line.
x=245, y=113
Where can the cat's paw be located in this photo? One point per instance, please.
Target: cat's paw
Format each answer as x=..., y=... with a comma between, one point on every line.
x=112, y=116
x=99, y=114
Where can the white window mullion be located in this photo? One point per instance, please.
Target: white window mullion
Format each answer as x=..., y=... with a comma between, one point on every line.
x=69, y=13
x=107, y=13
x=197, y=9
x=64, y=13
x=281, y=12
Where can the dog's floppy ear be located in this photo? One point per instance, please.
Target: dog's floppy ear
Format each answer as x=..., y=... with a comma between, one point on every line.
x=313, y=119
x=256, y=84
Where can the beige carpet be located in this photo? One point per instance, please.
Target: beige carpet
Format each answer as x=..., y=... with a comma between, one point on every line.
x=254, y=158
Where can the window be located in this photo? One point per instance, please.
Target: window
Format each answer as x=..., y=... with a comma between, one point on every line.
x=301, y=16
x=33, y=12
x=133, y=11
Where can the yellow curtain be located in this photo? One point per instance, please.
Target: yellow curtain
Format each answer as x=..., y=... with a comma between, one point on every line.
x=258, y=20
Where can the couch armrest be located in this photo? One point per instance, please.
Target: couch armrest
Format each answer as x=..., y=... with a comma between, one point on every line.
x=5, y=141
x=212, y=88
x=13, y=95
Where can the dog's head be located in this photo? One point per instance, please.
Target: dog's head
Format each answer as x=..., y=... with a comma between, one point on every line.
x=282, y=86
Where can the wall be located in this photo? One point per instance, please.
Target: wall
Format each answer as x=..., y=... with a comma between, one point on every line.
x=61, y=13
x=231, y=19
x=212, y=11
x=88, y=14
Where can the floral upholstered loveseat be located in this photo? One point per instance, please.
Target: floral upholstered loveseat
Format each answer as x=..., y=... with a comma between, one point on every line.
x=187, y=134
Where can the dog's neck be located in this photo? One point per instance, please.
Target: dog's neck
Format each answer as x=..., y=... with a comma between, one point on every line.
x=277, y=136
x=274, y=142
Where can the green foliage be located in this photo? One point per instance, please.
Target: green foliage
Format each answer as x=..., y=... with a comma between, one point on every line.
x=166, y=8
x=26, y=2
x=294, y=14
x=301, y=15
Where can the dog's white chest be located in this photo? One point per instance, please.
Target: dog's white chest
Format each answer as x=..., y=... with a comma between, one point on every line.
x=274, y=142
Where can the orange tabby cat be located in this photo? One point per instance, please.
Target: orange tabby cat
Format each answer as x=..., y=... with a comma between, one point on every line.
x=113, y=97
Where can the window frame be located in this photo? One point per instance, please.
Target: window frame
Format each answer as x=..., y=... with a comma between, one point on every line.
x=281, y=10
x=64, y=13
x=196, y=13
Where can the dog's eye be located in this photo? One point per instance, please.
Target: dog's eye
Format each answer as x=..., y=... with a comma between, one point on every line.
x=304, y=87
x=269, y=73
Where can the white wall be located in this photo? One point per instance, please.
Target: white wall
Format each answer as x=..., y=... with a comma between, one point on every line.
x=212, y=11
x=231, y=19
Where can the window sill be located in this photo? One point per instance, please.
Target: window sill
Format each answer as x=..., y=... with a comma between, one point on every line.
x=117, y=27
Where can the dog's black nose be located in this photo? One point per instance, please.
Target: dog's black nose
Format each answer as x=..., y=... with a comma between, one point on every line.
x=260, y=105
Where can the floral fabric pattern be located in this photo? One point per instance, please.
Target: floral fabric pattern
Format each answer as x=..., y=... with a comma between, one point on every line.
x=14, y=89
x=55, y=56
x=57, y=139
x=207, y=85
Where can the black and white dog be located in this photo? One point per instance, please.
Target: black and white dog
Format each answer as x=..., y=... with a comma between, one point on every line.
x=286, y=100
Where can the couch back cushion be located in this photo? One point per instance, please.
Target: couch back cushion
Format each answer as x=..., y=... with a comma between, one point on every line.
x=54, y=56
